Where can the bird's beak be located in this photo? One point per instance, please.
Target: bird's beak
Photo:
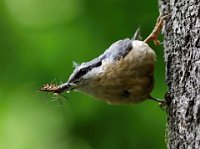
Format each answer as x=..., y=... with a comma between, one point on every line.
x=58, y=88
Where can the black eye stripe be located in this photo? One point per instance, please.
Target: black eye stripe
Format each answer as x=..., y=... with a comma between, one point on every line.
x=84, y=70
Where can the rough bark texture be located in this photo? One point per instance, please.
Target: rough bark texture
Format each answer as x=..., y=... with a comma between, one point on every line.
x=182, y=56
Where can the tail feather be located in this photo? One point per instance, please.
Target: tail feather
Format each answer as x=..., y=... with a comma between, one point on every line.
x=137, y=35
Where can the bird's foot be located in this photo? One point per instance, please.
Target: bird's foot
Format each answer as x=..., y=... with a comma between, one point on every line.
x=156, y=31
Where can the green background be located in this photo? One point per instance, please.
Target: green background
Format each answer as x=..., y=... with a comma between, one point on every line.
x=39, y=39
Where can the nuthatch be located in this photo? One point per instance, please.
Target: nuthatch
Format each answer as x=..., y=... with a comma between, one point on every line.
x=123, y=74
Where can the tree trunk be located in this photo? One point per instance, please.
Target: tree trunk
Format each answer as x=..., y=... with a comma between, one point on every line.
x=182, y=56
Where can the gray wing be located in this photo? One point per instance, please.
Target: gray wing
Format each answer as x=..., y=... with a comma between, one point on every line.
x=115, y=52
x=118, y=50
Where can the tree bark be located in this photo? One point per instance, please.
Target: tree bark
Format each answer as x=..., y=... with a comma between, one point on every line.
x=182, y=56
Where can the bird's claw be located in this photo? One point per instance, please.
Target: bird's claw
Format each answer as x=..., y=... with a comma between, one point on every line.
x=156, y=31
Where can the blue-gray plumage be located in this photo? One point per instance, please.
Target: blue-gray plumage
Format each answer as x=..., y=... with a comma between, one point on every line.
x=115, y=52
x=124, y=73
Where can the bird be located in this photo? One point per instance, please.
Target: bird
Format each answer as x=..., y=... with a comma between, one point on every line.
x=123, y=74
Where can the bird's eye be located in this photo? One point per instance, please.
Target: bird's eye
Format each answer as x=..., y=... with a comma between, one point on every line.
x=82, y=72
x=77, y=77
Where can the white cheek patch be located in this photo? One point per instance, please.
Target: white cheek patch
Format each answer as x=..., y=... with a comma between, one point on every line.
x=93, y=72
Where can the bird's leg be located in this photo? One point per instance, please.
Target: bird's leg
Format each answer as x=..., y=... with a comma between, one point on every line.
x=156, y=31
x=156, y=99
x=162, y=103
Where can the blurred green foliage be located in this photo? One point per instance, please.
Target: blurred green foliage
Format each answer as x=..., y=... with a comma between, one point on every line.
x=39, y=39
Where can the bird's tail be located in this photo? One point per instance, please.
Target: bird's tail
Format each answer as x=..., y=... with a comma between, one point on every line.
x=137, y=35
